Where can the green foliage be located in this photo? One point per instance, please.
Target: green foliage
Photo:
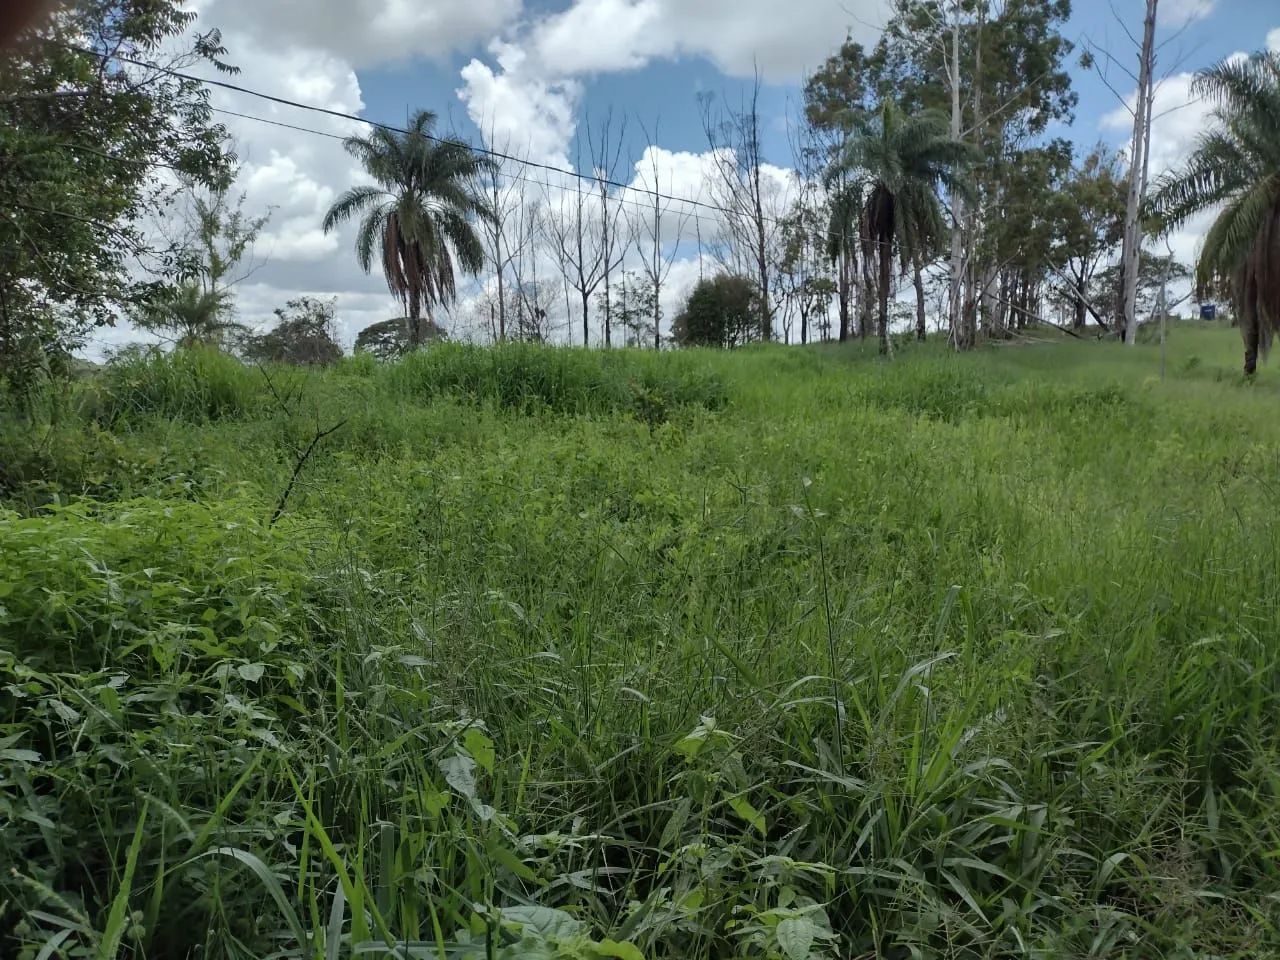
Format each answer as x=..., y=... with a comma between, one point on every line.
x=305, y=336
x=419, y=217
x=959, y=657
x=80, y=132
x=190, y=316
x=195, y=385
x=633, y=303
x=389, y=339
x=897, y=164
x=1089, y=216
x=1236, y=166
x=531, y=377
x=721, y=312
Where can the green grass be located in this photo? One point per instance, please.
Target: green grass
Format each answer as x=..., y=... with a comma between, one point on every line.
x=773, y=654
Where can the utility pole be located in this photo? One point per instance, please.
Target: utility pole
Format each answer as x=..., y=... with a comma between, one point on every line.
x=1139, y=153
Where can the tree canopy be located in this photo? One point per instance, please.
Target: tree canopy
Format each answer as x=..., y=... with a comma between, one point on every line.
x=419, y=217
x=1236, y=164
x=88, y=113
x=723, y=311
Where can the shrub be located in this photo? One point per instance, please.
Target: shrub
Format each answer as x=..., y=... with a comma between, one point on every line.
x=530, y=377
x=196, y=385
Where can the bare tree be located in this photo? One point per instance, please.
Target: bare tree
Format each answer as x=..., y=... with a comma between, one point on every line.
x=1148, y=52
x=576, y=244
x=606, y=154
x=648, y=234
x=750, y=222
x=1139, y=156
x=504, y=194
x=960, y=333
x=532, y=299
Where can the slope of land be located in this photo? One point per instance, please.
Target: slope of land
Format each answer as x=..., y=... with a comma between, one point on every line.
x=779, y=653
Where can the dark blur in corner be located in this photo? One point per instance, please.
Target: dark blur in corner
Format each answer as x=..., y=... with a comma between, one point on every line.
x=18, y=14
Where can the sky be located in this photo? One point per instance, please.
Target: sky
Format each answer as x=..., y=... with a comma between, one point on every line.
x=529, y=77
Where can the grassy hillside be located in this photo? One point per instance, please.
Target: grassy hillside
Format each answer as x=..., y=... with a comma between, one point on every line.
x=782, y=653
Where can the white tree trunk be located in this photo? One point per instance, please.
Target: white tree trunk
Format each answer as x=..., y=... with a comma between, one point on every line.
x=959, y=334
x=1131, y=257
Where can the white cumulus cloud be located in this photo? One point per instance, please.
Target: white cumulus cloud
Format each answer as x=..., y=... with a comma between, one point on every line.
x=365, y=32
x=738, y=36
x=1178, y=13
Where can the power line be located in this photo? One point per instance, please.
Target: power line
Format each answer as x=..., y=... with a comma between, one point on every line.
x=484, y=151
x=342, y=115
x=546, y=184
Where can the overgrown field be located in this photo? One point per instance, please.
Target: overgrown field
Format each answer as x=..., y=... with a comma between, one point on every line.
x=778, y=654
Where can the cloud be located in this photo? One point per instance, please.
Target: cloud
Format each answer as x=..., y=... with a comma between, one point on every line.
x=519, y=109
x=1178, y=13
x=1273, y=40
x=294, y=176
x=365, y=32
x=738, y=36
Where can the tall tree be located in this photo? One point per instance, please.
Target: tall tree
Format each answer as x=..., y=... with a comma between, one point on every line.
x=655, y=237
x=605, y=147
x=504, y=195
x=88, y=110
x=723, y=311
x=575, y=243
x=997, y=67
x=842, y=246
x=420, y=216
x=805, y=284
x=1236, y=164
x=751, y=203
x=1139, y=153
x=1089, y=211
x=1020, y=241
x=905, y=161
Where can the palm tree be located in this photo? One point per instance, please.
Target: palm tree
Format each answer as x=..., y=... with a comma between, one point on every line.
x=1236, y=164
x=194, y=316
x=904, y=161
x=418, y=215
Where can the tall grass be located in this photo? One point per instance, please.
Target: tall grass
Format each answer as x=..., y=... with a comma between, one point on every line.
x=937, y=658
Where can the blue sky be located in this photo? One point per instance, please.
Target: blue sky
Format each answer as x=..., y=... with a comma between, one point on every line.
x=665, y=91
x=528, y=71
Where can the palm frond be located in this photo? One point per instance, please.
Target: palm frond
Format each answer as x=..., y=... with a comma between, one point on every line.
x=351, y=203
x=421, y=217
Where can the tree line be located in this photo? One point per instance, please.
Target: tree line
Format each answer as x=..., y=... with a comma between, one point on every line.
x=923, y=159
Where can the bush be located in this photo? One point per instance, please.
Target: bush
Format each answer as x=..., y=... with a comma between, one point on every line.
x=305, y=336
x=195, y=385
x=531, y=377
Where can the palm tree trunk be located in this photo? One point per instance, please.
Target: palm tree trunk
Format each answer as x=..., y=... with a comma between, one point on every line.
x=886, y=278
x=844, y=295
x=918, y=270
x=867, y=294
x=1252, y=340
x=415, y=318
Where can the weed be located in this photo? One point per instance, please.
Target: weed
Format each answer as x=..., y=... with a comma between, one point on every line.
x=773, y=654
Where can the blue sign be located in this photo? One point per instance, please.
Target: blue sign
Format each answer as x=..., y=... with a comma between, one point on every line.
x=1208, y=311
